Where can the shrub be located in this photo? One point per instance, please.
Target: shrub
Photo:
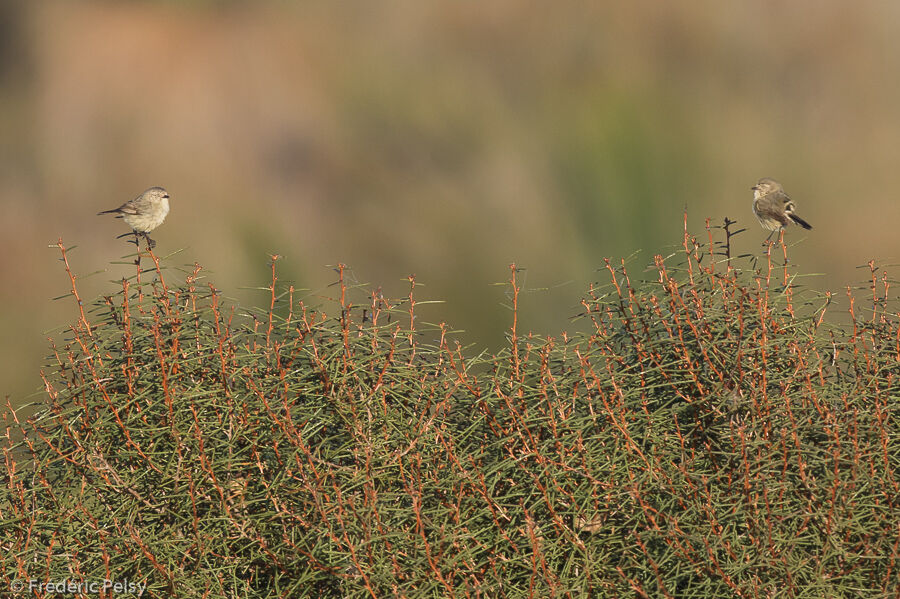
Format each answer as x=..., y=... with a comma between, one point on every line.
x=708, y=434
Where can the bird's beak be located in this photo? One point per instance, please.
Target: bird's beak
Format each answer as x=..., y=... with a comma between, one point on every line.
x=755, y=188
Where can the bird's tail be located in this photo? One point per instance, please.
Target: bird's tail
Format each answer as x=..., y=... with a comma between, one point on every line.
x=800, y=221
x=108, y=211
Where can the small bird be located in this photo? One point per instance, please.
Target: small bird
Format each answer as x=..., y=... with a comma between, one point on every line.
x=773, y=208
x=144, y=213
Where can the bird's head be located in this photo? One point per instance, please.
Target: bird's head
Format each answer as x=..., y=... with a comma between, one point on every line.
x=765, y=186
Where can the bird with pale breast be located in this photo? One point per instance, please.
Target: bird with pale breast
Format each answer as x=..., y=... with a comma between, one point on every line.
x=144, y=213
x=773, y=208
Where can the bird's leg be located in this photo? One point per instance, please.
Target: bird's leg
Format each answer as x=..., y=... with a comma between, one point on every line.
x=150, y=243
x=766, y=242
x=135, y=241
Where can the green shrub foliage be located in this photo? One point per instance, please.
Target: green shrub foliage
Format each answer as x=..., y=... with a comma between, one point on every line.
x=705, y=432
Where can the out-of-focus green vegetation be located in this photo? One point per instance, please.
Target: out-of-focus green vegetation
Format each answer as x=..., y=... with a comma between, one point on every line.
x=442, y=139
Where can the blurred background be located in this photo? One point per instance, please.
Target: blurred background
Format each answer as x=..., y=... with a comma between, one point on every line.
x=444, y=139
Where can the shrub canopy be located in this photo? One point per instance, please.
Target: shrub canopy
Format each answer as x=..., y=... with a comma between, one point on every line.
x=707, y=433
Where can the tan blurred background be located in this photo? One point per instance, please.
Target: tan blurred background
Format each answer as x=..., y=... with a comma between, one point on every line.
x=444, y=139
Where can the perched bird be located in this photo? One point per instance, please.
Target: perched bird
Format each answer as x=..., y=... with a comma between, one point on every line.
x=773, y=208
x=144, y=213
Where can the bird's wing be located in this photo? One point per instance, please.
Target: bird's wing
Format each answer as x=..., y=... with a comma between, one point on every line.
x=767, y=209
x=128, y=208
